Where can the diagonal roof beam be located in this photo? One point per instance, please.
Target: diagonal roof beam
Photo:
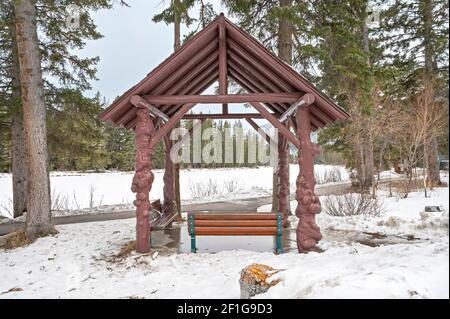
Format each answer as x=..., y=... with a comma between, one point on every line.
x=275, y=122
x=262, y=133
x=136, y=100
x=170, y=124
x=305, y=100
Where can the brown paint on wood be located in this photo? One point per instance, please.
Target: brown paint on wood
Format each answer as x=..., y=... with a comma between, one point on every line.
x=227, y=98
x=236, y=216
x=143, y=178
x=235, y=223
x=308, y=233
x=223, y=82
x=235, y=231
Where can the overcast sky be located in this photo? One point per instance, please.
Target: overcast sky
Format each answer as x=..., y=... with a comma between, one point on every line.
x=132, y=46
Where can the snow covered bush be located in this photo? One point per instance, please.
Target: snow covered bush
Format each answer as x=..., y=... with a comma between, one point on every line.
x=231, y=185
x=201, y=189
x=351, y=205
x=332, y=175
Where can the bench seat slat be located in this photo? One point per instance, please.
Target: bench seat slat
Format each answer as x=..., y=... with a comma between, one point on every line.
x=236, y=216
x=236, y=231
x=235, y=223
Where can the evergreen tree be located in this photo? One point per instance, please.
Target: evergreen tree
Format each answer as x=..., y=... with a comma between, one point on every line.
x=415, y=33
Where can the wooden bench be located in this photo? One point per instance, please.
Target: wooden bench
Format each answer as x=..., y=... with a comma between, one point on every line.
x=235, y=224
x=159, y=219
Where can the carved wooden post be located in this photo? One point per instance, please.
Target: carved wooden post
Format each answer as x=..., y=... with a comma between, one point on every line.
x=169, y=189
x=308, y=233
x=283, y=178
x=143, y=178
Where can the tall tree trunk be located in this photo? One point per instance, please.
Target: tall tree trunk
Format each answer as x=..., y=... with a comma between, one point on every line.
x=39, y=219
x=367, y=145
x=176, y=166
x=18, y=150
x=285, y=54
x=432, y=145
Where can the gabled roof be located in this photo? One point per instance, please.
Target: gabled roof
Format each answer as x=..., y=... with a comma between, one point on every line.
x=195, y=66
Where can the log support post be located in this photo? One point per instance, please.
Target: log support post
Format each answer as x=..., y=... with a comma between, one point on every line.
x=143, y=178
x=168, y=206
x=283, y=178
x=308, y=233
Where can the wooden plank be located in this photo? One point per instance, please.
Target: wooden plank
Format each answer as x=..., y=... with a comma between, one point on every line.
x=235, y=216
x=274, y=121
x=235, y=231
x=227, y=98
x=235, y=223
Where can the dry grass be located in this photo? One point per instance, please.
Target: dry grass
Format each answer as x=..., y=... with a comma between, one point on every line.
x=126, y=250
x=16, y=239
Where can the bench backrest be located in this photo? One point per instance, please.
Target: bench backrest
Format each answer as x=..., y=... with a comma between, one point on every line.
x=234, y=224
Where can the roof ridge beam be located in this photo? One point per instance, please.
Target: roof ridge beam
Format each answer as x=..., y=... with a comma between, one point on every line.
x=223, y=82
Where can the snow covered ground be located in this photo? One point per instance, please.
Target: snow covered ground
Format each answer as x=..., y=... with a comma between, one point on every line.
x=77, y=191
x=77, y=263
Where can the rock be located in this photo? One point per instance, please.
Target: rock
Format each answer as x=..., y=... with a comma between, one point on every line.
x=433, y=209
x=254, y=280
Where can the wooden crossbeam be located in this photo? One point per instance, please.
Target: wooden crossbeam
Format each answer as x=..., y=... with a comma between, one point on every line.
x=224, y=98
x=275, y=122
x=219, y=116
x=305, y=100
x=136, y=100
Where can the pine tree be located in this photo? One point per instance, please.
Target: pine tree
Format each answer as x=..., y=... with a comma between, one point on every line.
x=38, y=221
x=62, y=68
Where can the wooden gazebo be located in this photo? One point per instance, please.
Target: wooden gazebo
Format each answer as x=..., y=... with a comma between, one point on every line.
x=222, y=51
